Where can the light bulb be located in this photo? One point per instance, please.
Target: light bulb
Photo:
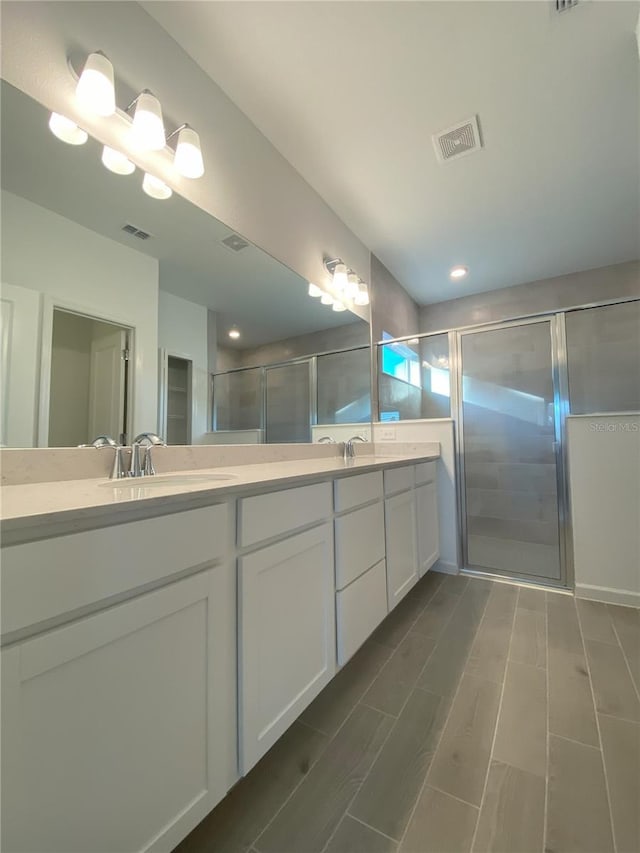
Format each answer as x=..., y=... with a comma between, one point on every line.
x=326, y=299
x=116, y=162
x=338, y=306
x=352, y=286
x=362, y=296
x=155, y=188
x=314, y=291
x=67, y=130
x=234, y=333
x=340, y=277
x=147, y=129
x=95, y=89
x=188, y=157
x=458, y=272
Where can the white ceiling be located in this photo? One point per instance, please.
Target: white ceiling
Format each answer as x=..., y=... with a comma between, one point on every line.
x=265, y=299
x=351, y=93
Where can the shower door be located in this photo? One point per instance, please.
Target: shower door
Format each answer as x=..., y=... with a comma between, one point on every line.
x=510, y=423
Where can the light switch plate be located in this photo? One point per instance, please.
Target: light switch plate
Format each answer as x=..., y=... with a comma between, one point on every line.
x=387, y=434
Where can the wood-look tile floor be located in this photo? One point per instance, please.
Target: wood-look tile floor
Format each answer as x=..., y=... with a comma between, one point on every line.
x=480, y=716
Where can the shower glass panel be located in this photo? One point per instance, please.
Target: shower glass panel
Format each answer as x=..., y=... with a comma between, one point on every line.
x=509, y=451
x=237, y=400
x=288, y=403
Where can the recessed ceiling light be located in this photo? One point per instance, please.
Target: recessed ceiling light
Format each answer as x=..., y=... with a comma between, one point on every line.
x=458, y=272
x=234, y=333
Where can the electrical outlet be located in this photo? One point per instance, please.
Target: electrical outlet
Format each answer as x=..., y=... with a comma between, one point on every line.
x=387, y=434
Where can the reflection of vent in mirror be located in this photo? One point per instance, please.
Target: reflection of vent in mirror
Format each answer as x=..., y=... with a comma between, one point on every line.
x=561, y=5
x=235, y=242
x=454, y=142
x=136, y=232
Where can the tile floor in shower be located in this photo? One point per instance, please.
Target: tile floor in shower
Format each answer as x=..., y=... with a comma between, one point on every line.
x=480, y=716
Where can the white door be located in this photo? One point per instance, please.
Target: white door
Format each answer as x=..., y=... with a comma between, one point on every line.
x=109, y=737
x=287, y=636
x=402, y=557
x=107, y=384
x=20, y=320
x=427, y=524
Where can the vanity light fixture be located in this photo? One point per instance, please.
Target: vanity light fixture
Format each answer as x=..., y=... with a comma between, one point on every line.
x=352, y=286
x=362, y=296
x=338, y=306
x=117, y=162
x=314, y=291
x=155, y=188
x=95, y=89
x=67, y=130
x=234, y=332
x=458, y=272
x=326, y=299
x=147, y=130
x=188, y=157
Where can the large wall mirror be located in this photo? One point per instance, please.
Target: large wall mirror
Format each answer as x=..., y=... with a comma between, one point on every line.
x=116, y=310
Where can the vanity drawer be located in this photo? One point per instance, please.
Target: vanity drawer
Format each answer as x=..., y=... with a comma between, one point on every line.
x=359, y=542
x=350, y=492
x=266, y=516
x=360, y=608
x=45, y=579
x=426, y=472
x=398, y=479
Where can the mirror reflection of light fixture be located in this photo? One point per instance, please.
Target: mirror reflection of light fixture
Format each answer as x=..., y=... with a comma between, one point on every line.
x=147, y=130
x=67, y=130
x=234, y=332
x=326, y=299
x=188, y=157
x=95, y=90
x=155, y=188
x=116, y=162
x=314, y=291
x=362, y=296
x=338, y=306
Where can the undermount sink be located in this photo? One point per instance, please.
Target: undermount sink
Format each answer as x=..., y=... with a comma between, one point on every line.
x=161, y=480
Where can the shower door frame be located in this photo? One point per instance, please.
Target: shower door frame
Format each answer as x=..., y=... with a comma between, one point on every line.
x=559, y=378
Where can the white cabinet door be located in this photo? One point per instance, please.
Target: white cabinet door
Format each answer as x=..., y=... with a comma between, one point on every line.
x=360, y=608
x=112, y=730
x=287, y=650
x=427, y=523
x=401, y=541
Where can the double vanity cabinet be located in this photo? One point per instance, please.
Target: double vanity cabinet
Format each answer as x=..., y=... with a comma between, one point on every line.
x=147, y=664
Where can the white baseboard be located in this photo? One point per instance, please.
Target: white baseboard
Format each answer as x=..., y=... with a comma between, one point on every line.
x=607, y=594
x=446, y=568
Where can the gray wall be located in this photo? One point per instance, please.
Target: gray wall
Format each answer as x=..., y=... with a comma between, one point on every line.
x=392, y=309
x=551, y=294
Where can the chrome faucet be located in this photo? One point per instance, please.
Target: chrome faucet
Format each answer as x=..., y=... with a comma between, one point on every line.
x=141, y=461
x=326, y=439
x=118, y=471
x=349, y=449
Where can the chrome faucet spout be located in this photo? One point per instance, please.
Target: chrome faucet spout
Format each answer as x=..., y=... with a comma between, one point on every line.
x=141, y=460
x=349, y=449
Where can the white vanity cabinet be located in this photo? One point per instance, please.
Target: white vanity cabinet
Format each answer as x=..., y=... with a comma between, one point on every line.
x=361, y=585
x=427, y=516
x=400, y=533
x=286, y=638
x=118, y=727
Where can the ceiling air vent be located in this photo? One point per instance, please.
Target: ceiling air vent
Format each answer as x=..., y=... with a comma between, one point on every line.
x=457, y=141
x=563, y=5
x=235, y=242
x=136, y=232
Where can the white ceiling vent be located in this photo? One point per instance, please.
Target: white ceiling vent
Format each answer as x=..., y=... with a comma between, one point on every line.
x=457, y=141
x=136, y=232
x=235, y=242
x=563, y=5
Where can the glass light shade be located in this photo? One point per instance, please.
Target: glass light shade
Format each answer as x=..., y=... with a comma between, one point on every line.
x=155, y=188
x=234, y=333
x=314, y=291
x=362, y=296
x=67, y=130
x=340, y=277
x=326, y=299
x=95, y=89
x=116, y=162
x=148, y=128
x=352, y=286
x=188, y=158
x=338, y=306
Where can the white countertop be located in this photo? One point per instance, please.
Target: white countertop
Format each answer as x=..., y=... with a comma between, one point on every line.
x=36, y=510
